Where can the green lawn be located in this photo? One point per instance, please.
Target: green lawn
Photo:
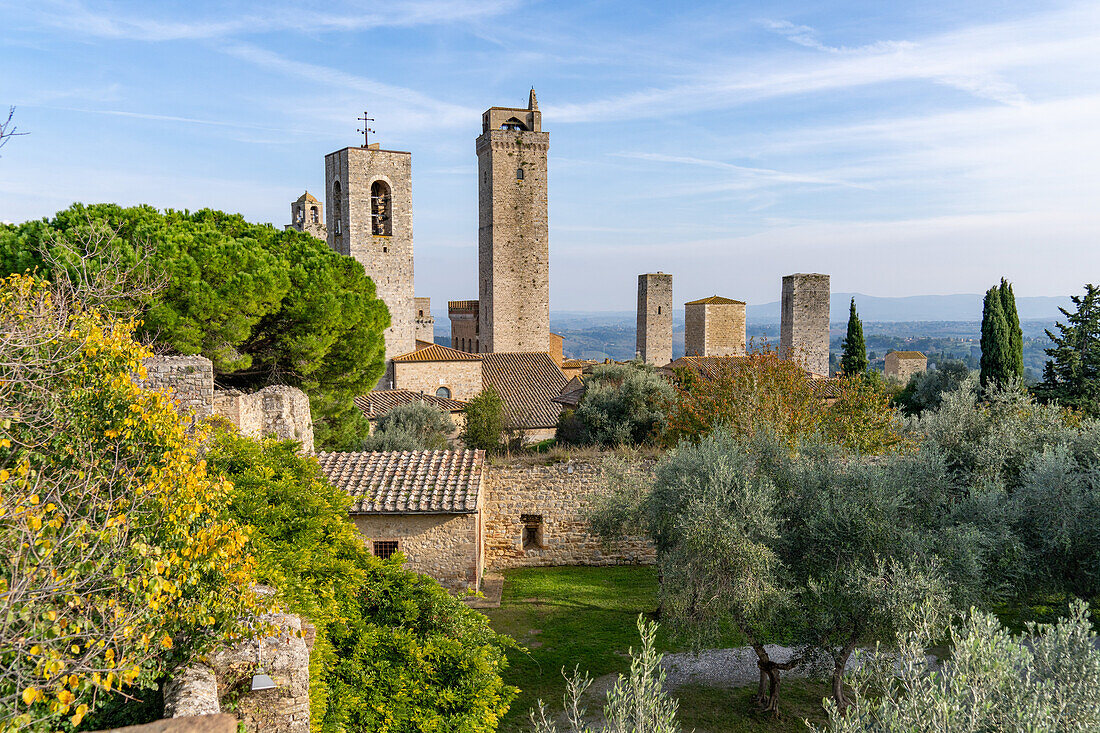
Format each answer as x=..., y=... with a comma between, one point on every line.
x=586, y=616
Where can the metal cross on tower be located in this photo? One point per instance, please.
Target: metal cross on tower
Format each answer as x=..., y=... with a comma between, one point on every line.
x=366, y=131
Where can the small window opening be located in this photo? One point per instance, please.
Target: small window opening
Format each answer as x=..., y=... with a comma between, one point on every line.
x=299, y=217
x=532, y=531
x=385, y=548
x=658, y=310
x=336, y=208
x=313, y=213
x=519, y=174
x=385, y=249
x=420, y=314
x=443, y=392
x=381, y=216
x=476, y=348
x=513, y=124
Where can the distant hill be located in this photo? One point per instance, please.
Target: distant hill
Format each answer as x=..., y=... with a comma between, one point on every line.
x=966, y=307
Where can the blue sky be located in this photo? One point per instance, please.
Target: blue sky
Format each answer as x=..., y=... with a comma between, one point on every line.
x=903, y=147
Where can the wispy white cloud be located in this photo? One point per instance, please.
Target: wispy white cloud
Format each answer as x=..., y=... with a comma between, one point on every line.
x=762, y=175
x=806, y=36
x=78, y=17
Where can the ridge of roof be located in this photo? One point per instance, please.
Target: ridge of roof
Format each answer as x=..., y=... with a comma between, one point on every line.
x=715, y=300
x=437, y=352
x=908, y=354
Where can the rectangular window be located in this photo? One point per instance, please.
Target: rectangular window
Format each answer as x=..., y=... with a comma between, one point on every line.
x=532, y=531
x=385, y=548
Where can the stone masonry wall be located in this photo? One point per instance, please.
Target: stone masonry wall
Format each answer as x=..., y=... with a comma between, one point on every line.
x=654, y=331
x=558, y=494
x=463, y=378
x=903, y=369
x=725, y=329
x=425, y=322
x=278, y=410
x=189, y=380
x=444, y=546
x=804, y=321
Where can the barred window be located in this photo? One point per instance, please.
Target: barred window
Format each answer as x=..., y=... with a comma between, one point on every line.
x=385, y=548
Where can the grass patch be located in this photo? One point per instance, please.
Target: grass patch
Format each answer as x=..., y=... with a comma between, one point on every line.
x=710, y=710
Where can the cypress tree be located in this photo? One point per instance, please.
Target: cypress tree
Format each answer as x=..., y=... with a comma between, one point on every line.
x=854, y=359
x=1015, y=333
x=995, y=363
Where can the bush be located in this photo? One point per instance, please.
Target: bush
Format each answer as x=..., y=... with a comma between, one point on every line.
x=623, y=404
x=394, y=650
x=484, y=425
x=413, y=426
x=925, y=391
x=117, y=562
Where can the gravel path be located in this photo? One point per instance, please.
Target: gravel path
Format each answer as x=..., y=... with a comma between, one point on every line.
x=729, y=668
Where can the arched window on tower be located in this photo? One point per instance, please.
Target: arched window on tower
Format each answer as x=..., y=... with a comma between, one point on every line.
x=519, y=174
x=337, y=210
x=381, y=216
x=314, y=215
x=513, y=124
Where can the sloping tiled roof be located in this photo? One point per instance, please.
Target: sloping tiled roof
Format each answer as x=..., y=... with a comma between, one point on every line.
x=528, y=383
x=908, y=354
x=422, y=344
x=307, y=198
x=571, y=393
x=408, y=482
x=715, y=300
x=378, y=403
x=578, y=363
x=437, y=352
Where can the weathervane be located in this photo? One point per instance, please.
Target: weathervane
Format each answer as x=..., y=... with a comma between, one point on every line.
x=366, y=130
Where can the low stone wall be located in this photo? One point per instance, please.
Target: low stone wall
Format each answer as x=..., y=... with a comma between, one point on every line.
x=189, y=380
x=277, y=410
x=444, y=546
x=556, y=496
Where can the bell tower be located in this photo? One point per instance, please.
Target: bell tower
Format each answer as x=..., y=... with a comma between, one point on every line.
x=513, y=232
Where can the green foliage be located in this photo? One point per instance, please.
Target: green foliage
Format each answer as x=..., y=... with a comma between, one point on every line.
x=926, y=390
x=484, y=425
x=1048, y=682
x=117, y=563
x=412, y=426
x=623, y=404
x=394, y=651
x=1072, y=375
x=265, y=305
x=854, y=359
x=997, y=360
x=1015, y=333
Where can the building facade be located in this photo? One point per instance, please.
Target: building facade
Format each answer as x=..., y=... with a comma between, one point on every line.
x=513, y=230
x=369, y=218
x=714, y=326
x=901, y=365
x=804, y=321
x=654, y=339
x=465, y=328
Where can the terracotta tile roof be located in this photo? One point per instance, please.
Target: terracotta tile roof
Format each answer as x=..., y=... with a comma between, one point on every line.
x=571, y=393
x=908, y=354
x=528, y=383
x=715, y=300
x=437, y=352
x=378, y=403
x=578, y=363
x=408, y=482
x=307, y=198
x=422, y=344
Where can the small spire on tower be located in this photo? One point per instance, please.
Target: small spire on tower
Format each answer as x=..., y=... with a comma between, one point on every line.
x=532, y=101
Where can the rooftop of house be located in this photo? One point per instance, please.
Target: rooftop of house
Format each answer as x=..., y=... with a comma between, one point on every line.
x=436, y=352
x=307, y=198
x=379, y=402
x=408, y=482
x=423, y=344
x=527, y=383
x=715, y=300
x=571, y=393
x=908, y=354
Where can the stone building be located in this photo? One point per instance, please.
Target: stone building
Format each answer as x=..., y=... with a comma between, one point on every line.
x=307, y=215
x=370, y=218
x=425, y=322
x=513, y=234
x=465, y=329
x=804, y=321
x=440, y=371
x=714, y=326
x=426, y=505
x=901, y=365
x=654, y=333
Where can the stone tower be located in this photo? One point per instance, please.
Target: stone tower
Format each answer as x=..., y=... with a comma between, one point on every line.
x=425, y=322
x=370, y=218
x=513, y=233
x=714, y=326
x=804, y=321
x=655, y=318
x=307, y=215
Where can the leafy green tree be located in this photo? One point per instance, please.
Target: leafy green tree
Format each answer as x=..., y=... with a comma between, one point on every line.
x=623, y=404
x=484, y=421
x=1072, y=374
x=394, y=650
x=1047, y=681
x=265, y=305
x=854, y=359
x=412, y=426
x=1015, y=333
x=996, y=348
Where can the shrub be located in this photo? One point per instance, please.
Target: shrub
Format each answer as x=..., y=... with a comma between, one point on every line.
x=484, y=425
x=412, y=426
x=925, y=391
x=117, y=561
x=623, y=404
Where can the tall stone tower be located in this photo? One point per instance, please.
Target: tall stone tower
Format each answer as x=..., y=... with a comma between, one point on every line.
x=306, y=215
x=370, y=218
x=513, y=233
x=804, y=321
x=425, y=322
x=655, y=318
x=714, y=326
